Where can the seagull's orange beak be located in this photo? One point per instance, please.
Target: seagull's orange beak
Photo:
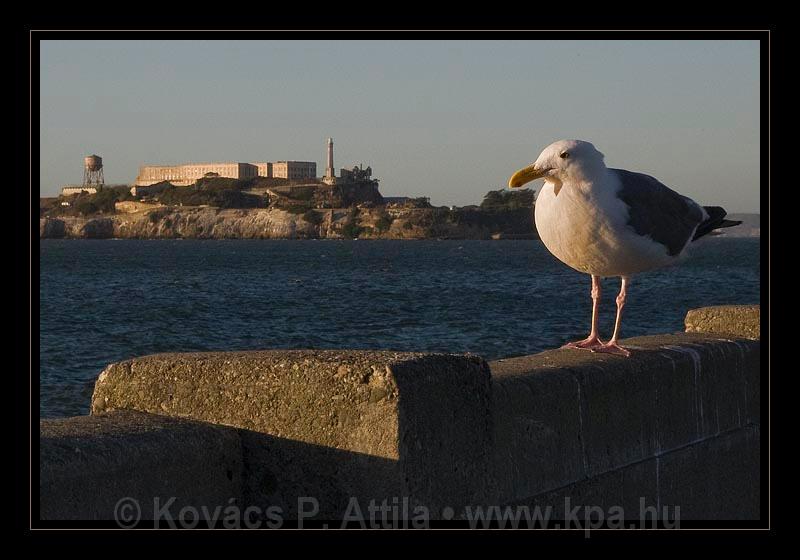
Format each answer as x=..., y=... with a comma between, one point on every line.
x=526, y=175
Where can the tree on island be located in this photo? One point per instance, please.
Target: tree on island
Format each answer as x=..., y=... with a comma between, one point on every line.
x=508, y=200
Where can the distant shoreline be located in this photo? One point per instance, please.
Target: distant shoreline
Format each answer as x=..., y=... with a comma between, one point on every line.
x=171, y=222
x=204, y=222
x=345, y=240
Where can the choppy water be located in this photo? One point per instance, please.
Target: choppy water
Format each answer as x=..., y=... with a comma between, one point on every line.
x=103, y=301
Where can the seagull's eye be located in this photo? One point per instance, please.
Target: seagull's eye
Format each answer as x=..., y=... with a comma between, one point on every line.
x=564, y=155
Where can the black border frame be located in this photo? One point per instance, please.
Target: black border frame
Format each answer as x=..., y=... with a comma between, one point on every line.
x=27, y=56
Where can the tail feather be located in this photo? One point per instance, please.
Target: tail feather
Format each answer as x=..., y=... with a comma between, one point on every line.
x=716, y=220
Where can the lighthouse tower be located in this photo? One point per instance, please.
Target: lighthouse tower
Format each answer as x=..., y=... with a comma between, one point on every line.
x=329, y=167
x=330, y=175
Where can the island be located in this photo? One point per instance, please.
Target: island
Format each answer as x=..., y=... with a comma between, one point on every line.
x=215, y=207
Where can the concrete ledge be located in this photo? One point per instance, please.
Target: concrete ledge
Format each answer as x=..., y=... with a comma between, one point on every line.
x=428, y=415
x=677, y=424
x=718, y=478
x=88, y=463
x=563, y=416
x=737, y=320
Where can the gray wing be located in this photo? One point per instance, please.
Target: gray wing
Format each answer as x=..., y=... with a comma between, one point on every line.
x=656, y=210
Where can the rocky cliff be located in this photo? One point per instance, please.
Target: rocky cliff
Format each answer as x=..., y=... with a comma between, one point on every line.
x=272, y=223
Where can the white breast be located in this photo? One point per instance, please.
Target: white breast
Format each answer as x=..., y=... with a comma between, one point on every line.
x=585, y=227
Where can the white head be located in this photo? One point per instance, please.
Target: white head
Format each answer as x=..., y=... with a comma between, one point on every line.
x=573, y=160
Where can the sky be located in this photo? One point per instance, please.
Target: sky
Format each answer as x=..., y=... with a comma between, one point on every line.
x=446, y=119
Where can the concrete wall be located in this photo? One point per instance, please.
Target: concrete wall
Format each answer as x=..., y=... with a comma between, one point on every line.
x=677, y=424
x=340, y=423
x=88, y=463
x=738, y=320
x=609, y=431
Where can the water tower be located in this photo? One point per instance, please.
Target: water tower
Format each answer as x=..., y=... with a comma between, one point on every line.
x=93, y=171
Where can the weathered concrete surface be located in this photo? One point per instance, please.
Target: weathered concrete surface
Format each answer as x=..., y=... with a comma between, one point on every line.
x=427, y=414
x=89, y=463
x=677, y=424
x=280, y=471
x=737, y=320
x=718, y=478
x=537, y=431
x=631, y=488
x=565, y=416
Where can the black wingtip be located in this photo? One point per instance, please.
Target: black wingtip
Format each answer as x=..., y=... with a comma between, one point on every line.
x=716, y=220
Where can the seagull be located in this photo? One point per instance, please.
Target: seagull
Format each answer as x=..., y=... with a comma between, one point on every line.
x=610, y=222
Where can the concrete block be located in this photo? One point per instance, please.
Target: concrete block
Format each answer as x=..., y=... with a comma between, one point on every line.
x=751, y=372
x=737, y=320
x=565, y=415
x=714, y=378
x=718, y=478
x=628, y=491
x=435, y=429
x=295, y=476
x=89, y=463
x=538, y=442
x=428, y=413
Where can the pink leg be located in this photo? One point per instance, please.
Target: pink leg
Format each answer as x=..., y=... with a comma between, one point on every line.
x=612, y=347
x=592, y=341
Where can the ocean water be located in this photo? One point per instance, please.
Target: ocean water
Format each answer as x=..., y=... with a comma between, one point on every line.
x=108, y=300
